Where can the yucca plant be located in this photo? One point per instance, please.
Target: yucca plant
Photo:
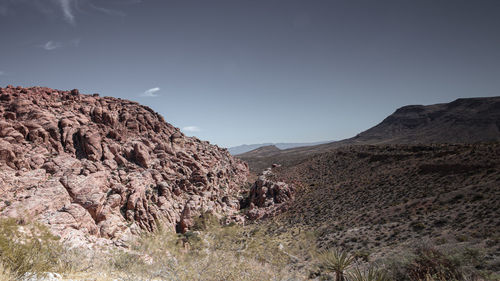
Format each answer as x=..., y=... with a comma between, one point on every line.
x=370, y=274
x=336, y=261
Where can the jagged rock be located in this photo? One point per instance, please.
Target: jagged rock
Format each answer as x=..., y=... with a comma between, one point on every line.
x=101, y=169
x=268, y=196
x=141, y=155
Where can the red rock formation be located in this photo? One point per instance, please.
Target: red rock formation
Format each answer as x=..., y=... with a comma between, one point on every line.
x=268, y=196
x=100, y=167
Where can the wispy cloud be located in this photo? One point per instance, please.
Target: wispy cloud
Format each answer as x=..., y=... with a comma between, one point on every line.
x=67, y=9
x=191, y=129
x=2, y=73
x=51, y=45
x=151, y=92
x=107, y=11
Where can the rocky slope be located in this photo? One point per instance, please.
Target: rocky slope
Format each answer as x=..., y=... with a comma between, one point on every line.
x=100, y=167
x=377, y=199
x=468, y=120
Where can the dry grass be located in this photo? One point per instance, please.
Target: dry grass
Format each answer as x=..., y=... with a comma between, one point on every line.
x=211, y=253
x=432, y=263
x=28, y=247
x=6, y=274
x=265, y=251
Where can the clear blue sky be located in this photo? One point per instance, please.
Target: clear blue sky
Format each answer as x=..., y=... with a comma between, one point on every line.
x=254, y=71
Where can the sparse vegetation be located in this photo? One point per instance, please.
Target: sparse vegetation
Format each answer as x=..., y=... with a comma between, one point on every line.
x=5, y=273
x=212, y=252
x=336, y=261
x=428, y=262
x=263, y=251
x=370, y=274
x=380, y=207
x=28, y=247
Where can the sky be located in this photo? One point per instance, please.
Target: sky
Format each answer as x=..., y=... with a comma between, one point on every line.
x=254, y=71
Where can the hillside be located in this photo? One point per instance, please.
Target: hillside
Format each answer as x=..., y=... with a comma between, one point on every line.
x=383, y=200
x=426, y=177
x=101, y=168
x=468, y=120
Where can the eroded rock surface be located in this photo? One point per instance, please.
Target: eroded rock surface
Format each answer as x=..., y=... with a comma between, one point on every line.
x=100, y=167
x=268, y=196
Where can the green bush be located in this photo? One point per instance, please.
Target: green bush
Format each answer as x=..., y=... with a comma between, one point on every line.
x=28, y=247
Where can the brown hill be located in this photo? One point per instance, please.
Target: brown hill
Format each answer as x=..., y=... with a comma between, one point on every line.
x=265, y=151
x=100, y=167
x=373, y=200
x=468, y=120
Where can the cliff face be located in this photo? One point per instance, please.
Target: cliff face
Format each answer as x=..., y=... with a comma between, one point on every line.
x=99, y=167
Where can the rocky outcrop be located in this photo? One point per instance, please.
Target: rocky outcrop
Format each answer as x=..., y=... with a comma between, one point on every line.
x=268, y=196
x=100, y=167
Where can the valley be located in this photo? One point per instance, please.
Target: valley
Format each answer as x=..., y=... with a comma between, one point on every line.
x=90, y=175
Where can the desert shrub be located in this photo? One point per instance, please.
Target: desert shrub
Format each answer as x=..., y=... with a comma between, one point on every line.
x=336, y=261
x=471, y=257
x=28, y=247
x=123, y=260
x=216, y=253
x=6, y=274
x=372, y=273
x=462, y=238
x=363, y=255
x=417, y=226
x=249, y=242
x=204, y=222
x=431, y=262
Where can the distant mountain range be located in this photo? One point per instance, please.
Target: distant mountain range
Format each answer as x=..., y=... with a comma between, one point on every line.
x=465, y=120
x=249, y=147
